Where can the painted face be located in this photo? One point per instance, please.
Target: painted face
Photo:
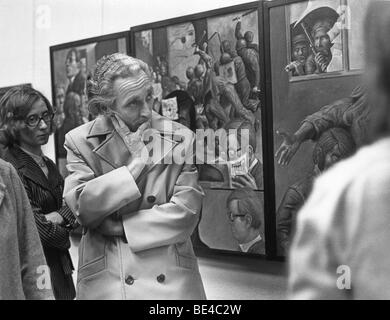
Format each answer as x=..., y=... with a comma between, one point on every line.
x=234, y=150
x=332, y=157
x=134, y=100
x=72, y=67
x=238, y=223
x=322, y=40
x=38, y=135
x=300, y=52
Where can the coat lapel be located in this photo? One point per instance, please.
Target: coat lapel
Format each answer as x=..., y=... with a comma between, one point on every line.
x=29, y=168
x=112, y=151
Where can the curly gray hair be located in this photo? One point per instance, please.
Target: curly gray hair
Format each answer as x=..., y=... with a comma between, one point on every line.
x=100, y=91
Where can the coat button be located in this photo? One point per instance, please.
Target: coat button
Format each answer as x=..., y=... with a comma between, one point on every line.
x=161, y=278
x=151, y=199
x=129, y=280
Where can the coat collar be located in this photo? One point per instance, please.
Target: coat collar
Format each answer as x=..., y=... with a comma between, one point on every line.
x=29, y=168
x=110, y=147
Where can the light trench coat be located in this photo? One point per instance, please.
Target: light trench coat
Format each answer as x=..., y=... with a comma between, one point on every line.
x=159, y=211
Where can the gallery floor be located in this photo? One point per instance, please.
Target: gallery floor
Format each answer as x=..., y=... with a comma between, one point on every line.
x=231, y=278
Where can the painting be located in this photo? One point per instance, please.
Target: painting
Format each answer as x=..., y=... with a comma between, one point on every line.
x=71, y=65
x=322, y=116
x=207, y=76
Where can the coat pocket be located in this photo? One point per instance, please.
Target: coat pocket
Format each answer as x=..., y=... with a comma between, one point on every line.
x=91, y=268
x=186, y=260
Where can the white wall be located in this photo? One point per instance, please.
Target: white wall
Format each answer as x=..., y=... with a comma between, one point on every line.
x=29, y=27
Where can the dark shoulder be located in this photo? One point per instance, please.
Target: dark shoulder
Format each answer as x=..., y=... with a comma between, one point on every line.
x=303, y=187
x=257, y=248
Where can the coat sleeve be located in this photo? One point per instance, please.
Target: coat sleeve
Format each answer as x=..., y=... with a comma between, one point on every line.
x=329, y=117
x=172, y=222
x=94, y=198
x=31, y=252
x=52, y=235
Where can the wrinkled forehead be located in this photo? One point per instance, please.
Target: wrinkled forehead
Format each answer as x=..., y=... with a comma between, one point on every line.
x=321, y=32
x=300, y=45
x=132, y=85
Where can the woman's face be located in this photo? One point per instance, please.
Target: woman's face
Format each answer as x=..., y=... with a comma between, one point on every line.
x=38, y=135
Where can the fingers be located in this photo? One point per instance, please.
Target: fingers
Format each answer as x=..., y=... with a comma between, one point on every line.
x=281, y=149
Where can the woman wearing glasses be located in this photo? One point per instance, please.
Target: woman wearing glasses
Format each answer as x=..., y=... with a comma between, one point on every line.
x=26, y=120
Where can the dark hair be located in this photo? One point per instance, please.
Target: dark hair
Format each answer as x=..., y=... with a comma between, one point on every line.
x=328, y=140
x=239, y=125
x=14, y=108
x=184, y=101
x=76, y=52
x=248, y=202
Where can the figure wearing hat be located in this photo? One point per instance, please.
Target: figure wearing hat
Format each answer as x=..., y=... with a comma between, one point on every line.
x=317, y=23
x=300, y=53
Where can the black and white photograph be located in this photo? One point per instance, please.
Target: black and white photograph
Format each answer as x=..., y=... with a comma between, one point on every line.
x=194, y=156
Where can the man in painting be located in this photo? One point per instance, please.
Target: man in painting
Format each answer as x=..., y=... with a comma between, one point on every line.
x=219, y=93
x=75, y=76
x=300, y=52
x=235, y=130
x=60, y=100
x=242, y=85
x=247, y=36
x=319, y=62
x=351, y=113
x=244, y=213
x=251, y=60
x=333, y=146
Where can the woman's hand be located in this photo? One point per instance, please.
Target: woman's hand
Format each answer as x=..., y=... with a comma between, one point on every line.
x=55, y=217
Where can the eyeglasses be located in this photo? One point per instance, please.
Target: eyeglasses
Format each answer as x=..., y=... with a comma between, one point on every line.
x=233, y=217
x=34, y=120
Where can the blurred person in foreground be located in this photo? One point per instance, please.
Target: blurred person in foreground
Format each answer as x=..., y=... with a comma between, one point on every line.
x=341, y=246
x=21, y=255
x=138, y=212
x=27, y=120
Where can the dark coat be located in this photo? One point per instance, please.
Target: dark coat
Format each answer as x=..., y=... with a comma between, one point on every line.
x=21, y=251
x=45, y=196
x=292, y=202
x=257, y=248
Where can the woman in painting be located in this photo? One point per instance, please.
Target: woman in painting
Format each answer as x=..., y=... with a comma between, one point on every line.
x=26, y=119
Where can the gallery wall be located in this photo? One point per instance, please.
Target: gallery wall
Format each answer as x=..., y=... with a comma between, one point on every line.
x=29, y=27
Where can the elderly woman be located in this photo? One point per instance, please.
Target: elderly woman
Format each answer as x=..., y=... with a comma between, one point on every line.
x=342, y=239
x=138, y=213
x=26, y=119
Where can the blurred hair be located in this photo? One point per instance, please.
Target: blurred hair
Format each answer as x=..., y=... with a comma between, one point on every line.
x=378, y=67
x=15, y=105
x=239, y=125
x=76, y=52
x=248, y=202
x=109, y=68
x=72, y=105
x=328, y=140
